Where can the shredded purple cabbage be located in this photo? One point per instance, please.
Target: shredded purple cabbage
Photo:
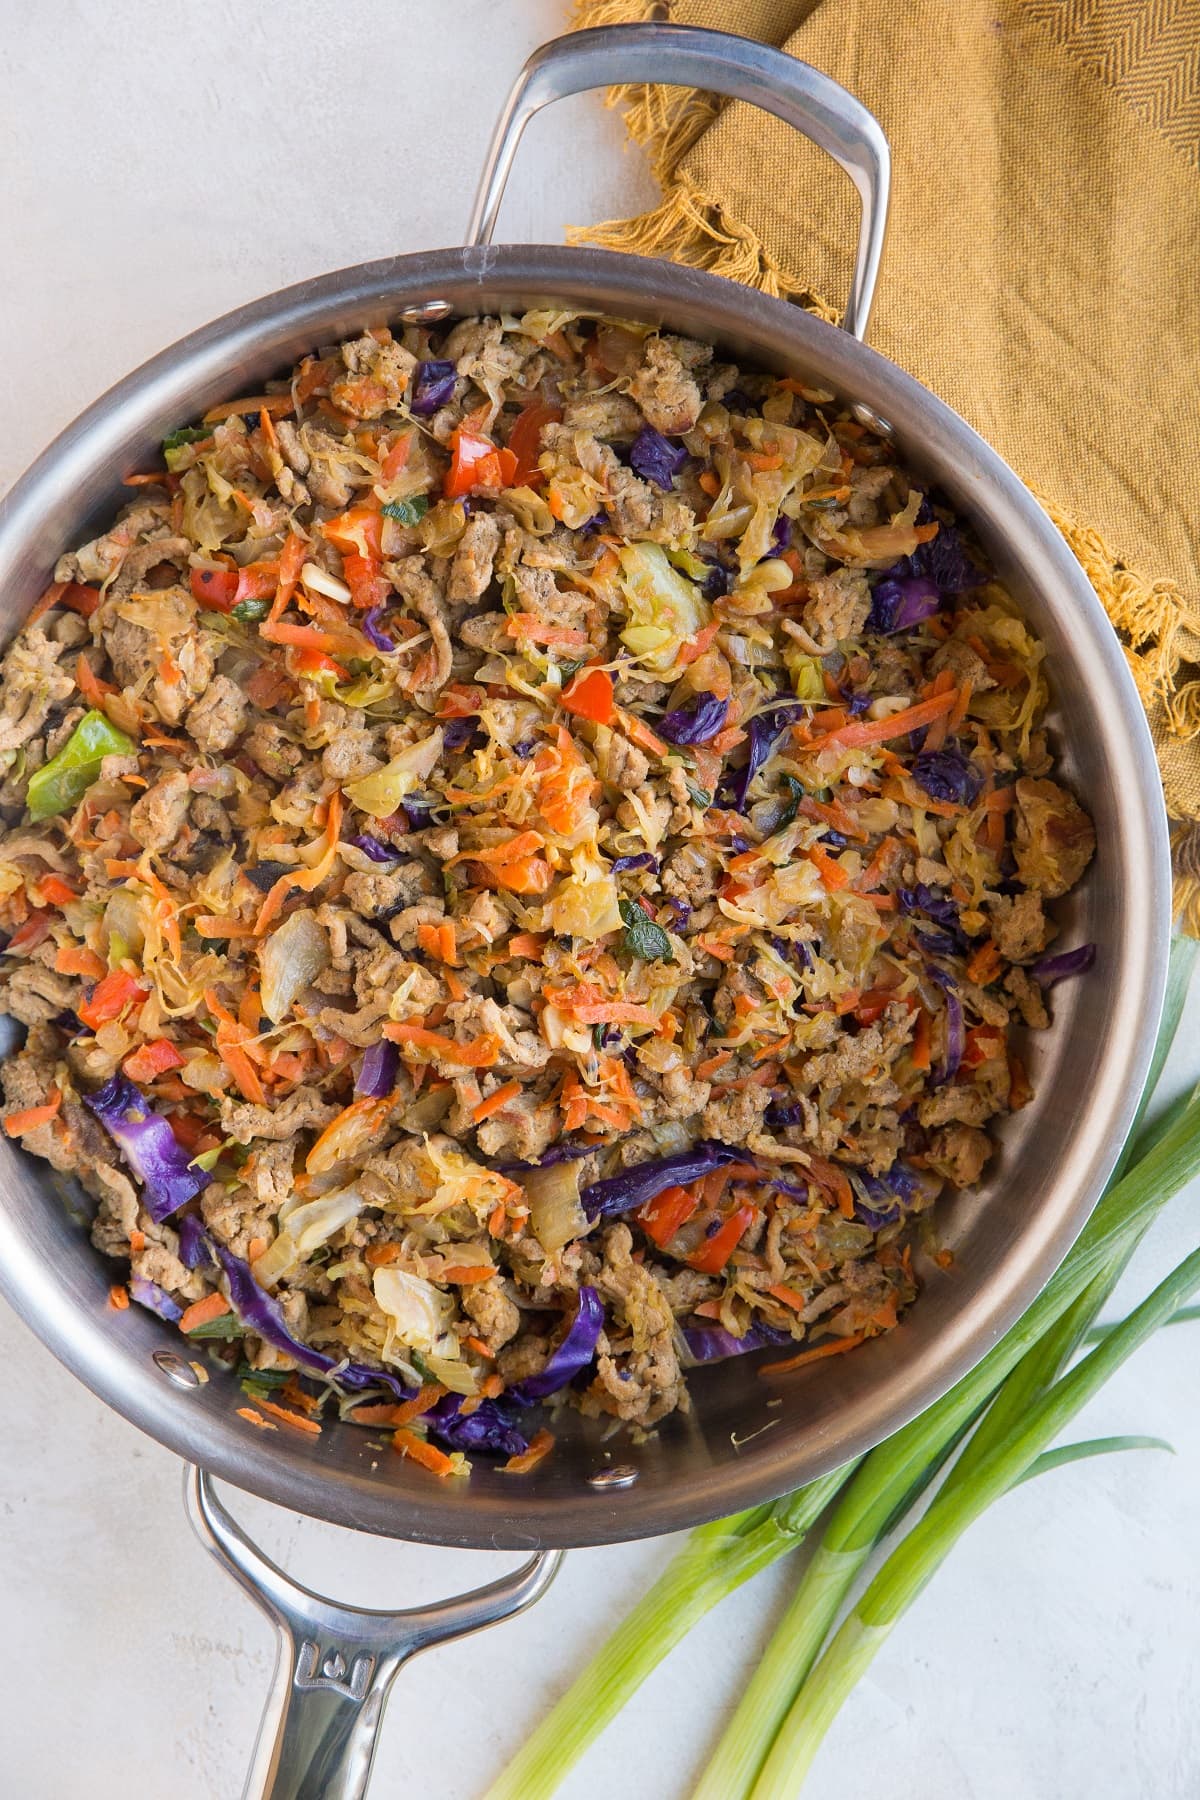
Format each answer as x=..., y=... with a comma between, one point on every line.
x=715, y=583
x=655, y=458
x=1049, y=970
x=260, y=1313
x=155, y=1299
x=149, y=1146
x=491, y=1426
x=943, y=560
x=372, y=632
x=956, y=1034
x=899, y=605
x=574, y=1353
x=372, y=846
x=598, y=522
x=942, y=910
x=377, y=1075
x=763, y=732
x=457, y=732
x=898, y=1184
x=712, y=1343
x=634, y=1187
x=557, y=1153
x=696, y=723
x=948, y=775
x=433, y=386
x=781, y=535
x=645, y=859
x=417, y=811
x=195, y=1246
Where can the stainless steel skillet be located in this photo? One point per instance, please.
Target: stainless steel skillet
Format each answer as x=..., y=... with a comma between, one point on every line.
x=336, y=1663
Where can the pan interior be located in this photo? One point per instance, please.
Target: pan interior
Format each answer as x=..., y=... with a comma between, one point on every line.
x=746, y=1438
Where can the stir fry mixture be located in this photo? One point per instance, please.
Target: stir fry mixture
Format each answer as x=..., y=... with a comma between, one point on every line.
x=523, y=851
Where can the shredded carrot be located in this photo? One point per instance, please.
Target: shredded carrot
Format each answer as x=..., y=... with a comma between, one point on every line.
x=830, y=869
x=209, y=926
x=213, y=1306
x=479, y=1347
x=702, y=641
x=18, y=1123
x=403, y=1411
x=835, y=1347
x=497, y=1219
x=137, y=1241
x=409, y=1444
x=77, y=959
x=278, y=405
x=638, y=732
x=118, y=1298
x=528, y=943
x=255, y=1418
x=711, y=1064
x=305, y=878
x=539, y=1447
x=494, y=1102
x=468, y=1274
x=529, y=626
x=985, y=964
x=480, y=1054
x=294, y=1419
x=717, y=947
x=860, y=732
x=788, y=1296
x=94, y=691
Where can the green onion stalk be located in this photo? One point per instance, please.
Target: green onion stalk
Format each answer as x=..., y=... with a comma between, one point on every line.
x=919, y=1555
x=716, y=1559
x=1009, y=1380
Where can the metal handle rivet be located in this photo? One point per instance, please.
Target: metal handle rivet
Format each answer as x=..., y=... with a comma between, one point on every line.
x=175, y=1369
x=427, y=313
x=622, y=1475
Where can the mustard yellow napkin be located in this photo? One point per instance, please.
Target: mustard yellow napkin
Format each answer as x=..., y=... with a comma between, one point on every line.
x=1041, y=274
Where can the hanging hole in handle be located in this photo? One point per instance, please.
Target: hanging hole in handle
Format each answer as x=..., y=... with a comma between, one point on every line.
x=179, y=1373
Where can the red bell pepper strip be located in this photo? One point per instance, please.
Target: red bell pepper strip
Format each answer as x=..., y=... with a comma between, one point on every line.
x=590, y=696
x=661, y=1217
x=524, y=440
x=716, y=1251
x=477, y=462
x=110, y=998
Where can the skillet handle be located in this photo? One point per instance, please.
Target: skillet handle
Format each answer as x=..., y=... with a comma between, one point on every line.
x=740, y=68
x=335, y=1664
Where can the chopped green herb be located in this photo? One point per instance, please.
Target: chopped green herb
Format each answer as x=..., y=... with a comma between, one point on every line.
x=642, y=937
x=407, y=512
x=227, y=1326
x=251, y=611
x=263, y=1378
x=796, y=791
x=699, y=796
x=187, y=434
x=177, y=443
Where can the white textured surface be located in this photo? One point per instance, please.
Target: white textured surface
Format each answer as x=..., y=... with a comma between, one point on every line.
x=162, y=164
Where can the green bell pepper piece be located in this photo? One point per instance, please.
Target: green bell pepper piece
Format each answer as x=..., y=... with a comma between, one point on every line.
x=62, y=782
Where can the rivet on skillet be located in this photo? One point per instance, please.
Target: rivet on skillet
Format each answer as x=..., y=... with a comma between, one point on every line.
x=427, y=313
x=175, y=1369
x=622, y=1475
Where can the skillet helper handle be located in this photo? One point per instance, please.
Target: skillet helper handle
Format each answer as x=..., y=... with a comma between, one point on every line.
x=335, y=1664
x=740, y=69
